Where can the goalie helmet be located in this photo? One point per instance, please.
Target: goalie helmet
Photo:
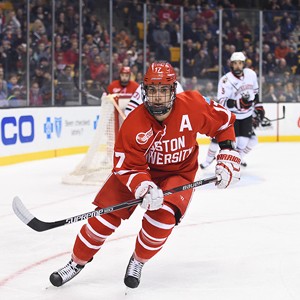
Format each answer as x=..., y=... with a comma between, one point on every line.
x=159, y=88
x=237, y=70
x=125, y=73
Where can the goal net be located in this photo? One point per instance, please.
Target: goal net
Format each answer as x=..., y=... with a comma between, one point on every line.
x=98, y=161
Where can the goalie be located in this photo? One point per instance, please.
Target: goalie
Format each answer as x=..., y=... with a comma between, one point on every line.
x=123, y=85
x=156, y=150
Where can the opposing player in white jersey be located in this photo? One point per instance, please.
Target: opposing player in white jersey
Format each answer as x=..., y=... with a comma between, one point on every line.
x=238, y=91
x=136, y=98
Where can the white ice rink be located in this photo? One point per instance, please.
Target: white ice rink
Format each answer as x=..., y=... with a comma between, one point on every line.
x=237, y=244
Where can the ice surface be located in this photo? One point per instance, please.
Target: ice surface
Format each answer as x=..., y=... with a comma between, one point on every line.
x=239, y=243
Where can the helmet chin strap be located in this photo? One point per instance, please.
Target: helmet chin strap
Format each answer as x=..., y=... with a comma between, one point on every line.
x=157, y=112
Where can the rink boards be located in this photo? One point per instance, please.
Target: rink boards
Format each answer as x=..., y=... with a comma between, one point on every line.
x=37, y=133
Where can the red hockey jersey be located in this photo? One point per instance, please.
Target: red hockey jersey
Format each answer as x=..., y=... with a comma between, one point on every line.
x=146, y=149
x=116, y=88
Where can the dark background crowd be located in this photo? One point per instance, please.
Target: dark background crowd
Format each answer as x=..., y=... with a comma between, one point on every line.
x=43, y=58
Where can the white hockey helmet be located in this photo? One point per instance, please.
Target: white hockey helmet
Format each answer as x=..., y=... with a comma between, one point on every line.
x=238, y=56
x=237, y=70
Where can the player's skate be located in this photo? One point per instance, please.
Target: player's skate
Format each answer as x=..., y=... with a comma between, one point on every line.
x=133, y=273
x=66, y=273
x=205, y=164
x=243, y=163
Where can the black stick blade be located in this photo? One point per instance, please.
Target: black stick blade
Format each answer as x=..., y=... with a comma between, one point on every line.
x=30, y=220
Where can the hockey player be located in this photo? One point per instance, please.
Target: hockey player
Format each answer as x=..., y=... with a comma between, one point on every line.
x=238, y=91
x=123, y=85
x=136, y=98
x=156, y=150
x=213, y=148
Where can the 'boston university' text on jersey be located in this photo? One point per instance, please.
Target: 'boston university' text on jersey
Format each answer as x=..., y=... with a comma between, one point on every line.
x=147, y=149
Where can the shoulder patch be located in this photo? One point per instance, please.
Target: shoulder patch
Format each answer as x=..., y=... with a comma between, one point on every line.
x=143, y=137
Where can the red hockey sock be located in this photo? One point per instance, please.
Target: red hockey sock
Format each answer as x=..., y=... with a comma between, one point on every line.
x=157, y=225
x=92, y=236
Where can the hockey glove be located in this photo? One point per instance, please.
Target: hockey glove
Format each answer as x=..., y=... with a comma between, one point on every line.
x=230, y=103
x=228, y=168
x=255, y=122
x=245, y=102
x=259, y=111
x=151, y=194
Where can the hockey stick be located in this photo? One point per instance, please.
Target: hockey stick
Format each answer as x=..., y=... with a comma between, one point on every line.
x=117, y=107
x=280, y=118
x=112, y=99
x=267, y=122
x=30, y=220
x=86, y=93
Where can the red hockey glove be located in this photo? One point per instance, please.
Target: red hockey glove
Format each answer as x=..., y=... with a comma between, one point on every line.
x=152, y=195
x=228, y=168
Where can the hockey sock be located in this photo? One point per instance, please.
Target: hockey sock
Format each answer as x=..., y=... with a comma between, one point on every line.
x=253, y=141
x=157, y=225
x=92, y=236
x=241, y=145
x=212, y=151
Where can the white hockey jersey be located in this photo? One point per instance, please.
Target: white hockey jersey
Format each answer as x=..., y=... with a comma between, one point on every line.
x=232, y=87
x=136, y=98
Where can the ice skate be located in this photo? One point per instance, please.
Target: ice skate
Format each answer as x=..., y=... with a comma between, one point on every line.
x=243, y=163
x=205, y=164
x=133, y=273
x=65, y=274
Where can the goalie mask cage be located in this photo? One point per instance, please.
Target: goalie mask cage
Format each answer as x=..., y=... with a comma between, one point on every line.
x=98, y=161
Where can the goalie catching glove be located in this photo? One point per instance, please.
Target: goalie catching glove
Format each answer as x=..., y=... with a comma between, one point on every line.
x=151, y=194
x=228, y=168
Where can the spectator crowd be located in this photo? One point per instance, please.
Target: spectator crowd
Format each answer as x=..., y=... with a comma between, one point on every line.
x=51, y=56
